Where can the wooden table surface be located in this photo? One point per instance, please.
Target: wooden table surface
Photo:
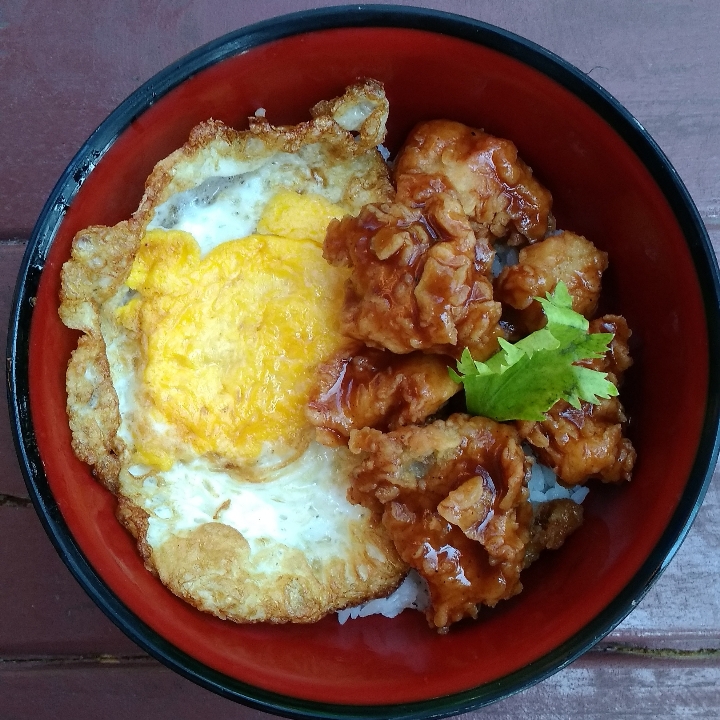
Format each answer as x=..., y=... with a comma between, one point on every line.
x=64, y=65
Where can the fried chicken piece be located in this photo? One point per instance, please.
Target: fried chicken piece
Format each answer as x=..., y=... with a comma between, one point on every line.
x=617, y=359
x=554, y=521
x=419, y=280
x=588, y=442
x=363, y=387
x=565, y=257
x=583, y=443
x=496, y=188
x=453, y=497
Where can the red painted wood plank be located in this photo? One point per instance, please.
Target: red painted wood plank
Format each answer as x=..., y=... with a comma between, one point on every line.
x=597, y=686
x=11, y=481
x=82, y=692
x=657, y=58
x=43, y=610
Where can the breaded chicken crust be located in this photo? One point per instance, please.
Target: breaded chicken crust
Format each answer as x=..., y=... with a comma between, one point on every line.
x=364, y=387
x=419, y=281
x=496, y=188
x=454, y=498
x=213, y=566
x=564, y=257
x=553, y=522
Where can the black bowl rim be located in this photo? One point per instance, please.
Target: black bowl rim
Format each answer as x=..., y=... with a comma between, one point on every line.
x=245, y=39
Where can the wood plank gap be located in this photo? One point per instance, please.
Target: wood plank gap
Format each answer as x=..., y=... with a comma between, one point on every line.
x=14, y=501
x=133, y=660
x=51, y=661
x=13, y=240
x=658, y=653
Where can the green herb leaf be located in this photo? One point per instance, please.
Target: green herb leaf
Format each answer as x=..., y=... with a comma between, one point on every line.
x=523, y=381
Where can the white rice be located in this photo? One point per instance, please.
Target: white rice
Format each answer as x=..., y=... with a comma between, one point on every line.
x=384, y=152
x=412, y=593
x=544, y=486
x=505, y=255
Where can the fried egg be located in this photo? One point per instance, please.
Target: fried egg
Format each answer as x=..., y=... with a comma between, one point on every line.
x=205, y=316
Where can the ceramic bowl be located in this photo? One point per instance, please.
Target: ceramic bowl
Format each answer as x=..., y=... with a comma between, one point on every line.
x=610, y=182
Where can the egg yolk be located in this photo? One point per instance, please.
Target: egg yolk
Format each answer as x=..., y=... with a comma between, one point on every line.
x=300, y=217
x=230, y=340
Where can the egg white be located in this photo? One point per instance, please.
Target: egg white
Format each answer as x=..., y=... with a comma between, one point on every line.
x=228, y=203
x=301, y=505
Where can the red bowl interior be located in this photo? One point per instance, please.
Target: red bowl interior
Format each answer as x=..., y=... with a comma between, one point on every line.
x=601, y=190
